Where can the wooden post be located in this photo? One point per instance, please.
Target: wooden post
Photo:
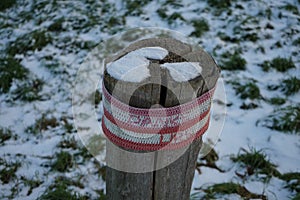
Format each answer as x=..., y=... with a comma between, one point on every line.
x=173, y=181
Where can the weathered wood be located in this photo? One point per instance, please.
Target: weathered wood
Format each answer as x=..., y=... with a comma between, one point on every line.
x=122, y=185
x=174, y=181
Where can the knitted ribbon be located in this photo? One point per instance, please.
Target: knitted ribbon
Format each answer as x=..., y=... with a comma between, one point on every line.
x=156, y=128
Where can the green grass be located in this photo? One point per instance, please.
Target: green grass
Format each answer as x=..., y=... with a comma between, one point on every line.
x=8, y=173
x=4, y=4
x=249, y=19
x=212, y=156
x=248, y=106
x=201, y=26
x=162, y=12
x=84, y=153
x=66, y=182
x=101, y=194
x=173, y=3
x=114, y=21
x=277, y=101
x=61, y=192
x=135, y=7
x=5, y=134
x=57, y=25
x=63, y=162
x=239, y=6
x=10, y=70
x=31, y=183
x=256, y=161
x=113, y=24
x=286, y=119
x=42, y=124
x=268, y=13
x=220, y=4
x=292, y=8
x=265, y=66
x=277, y=44
x=101, y=170
x=39, y=5
x=35, y=40
x=290, y=86
x=248, y=91
x=51, y=63
x=83, y=24
x=68, y=143
x=260, y=49
x=175, y=16
x=220, y=189
x=209, y=160
x=278, y=63
x=297, y=197
x=68, y=125
x=98, y=97
x=46, y=123
x=253, y=37
x=296, y=42
x=233, y=62
x=28, y=90
x=227, y=38
x=246, y=34
x=293, y=181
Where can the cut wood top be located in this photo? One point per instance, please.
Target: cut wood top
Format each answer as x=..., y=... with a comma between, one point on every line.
x=161, y=85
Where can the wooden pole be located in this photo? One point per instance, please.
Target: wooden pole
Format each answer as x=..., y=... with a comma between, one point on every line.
x=173, y=181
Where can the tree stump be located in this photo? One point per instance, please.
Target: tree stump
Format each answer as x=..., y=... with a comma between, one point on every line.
x=160, y=89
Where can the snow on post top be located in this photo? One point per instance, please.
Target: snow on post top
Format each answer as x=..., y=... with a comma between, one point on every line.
x=183, y=71
x=133, y=67
x=156, y=53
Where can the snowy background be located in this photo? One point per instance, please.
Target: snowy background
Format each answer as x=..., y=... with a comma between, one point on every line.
x=256, y=43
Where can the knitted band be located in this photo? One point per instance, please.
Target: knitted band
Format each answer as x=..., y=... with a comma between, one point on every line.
x=156, y=128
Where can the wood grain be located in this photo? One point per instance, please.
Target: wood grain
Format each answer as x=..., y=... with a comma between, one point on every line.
x=174, y=181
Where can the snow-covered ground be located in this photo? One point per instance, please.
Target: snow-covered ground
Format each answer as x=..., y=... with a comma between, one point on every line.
x=39, y=146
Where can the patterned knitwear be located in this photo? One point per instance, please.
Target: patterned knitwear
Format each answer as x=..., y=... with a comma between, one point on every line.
x=156, y=128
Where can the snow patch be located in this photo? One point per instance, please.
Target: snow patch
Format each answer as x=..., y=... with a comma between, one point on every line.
x=156, y=53
x=133, y=67
x=183, y=71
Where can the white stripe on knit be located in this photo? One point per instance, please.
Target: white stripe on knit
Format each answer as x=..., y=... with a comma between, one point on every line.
x=156, y=122
x=154, y=138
